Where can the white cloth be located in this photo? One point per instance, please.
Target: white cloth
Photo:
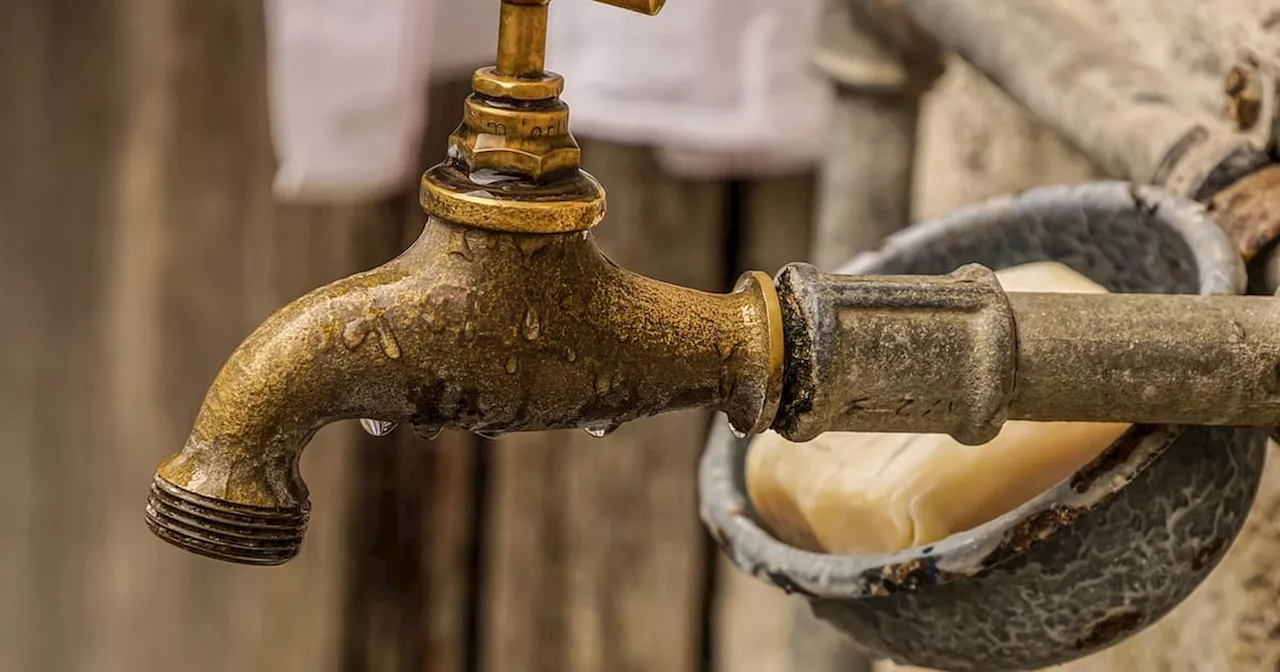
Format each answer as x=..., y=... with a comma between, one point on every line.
x=719, y=87
x=348, y=87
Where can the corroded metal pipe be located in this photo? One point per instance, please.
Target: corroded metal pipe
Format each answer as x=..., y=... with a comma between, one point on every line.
x=878, y=68
x=1163, y=359
x=955, y=354
x=482, y=331
x=1127, y=116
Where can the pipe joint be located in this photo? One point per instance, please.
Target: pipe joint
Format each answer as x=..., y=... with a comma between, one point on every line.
x=896, y=353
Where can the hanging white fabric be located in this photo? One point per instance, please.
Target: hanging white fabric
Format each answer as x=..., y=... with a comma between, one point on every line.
x=718, y=86
x=348, y=87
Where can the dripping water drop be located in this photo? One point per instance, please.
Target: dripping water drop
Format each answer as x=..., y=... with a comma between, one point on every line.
x=377, y=427
x=603, y=384
x=601, y=429
x=532, y=325
x=390, y=346
x=426, y=432
x=354, y=333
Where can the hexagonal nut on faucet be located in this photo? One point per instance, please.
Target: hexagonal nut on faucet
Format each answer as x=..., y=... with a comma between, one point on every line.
x=529, y=139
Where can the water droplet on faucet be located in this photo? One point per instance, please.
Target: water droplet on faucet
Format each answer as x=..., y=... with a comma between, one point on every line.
x=603, y=383
x=377, y=427
x=390, y=346
x=458, y=245
x=474, y=239
x=532, y=325
x=727, y=384
x=354, y=333
x=531, y=245
x=426, y=432
x=570, y=355
x=602, y=429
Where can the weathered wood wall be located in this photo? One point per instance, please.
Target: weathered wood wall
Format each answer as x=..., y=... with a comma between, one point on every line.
x=139, y=242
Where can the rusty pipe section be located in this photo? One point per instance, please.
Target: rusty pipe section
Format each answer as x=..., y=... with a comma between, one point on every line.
x=1164, y=359
x=955, y=354
x=1127, y=116
x=469, y=329
x=865, y=351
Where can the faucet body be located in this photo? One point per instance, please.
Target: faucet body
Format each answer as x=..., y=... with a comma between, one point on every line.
x=477, y=330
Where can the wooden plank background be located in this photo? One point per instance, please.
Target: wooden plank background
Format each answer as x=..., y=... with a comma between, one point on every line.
x=141, y=242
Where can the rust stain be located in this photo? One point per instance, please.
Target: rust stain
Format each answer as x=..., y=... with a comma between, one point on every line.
x=1244, y=95
x=1207, y=554
x=1033, y=529
x=909, y=576
x=1249, y=211
x=1110, y=629
x=1120, y=452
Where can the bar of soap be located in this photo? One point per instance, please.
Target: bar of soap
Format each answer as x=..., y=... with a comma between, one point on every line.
x=850, y=493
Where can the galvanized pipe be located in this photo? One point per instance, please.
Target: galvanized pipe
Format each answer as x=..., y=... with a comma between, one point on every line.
x=1156, y=359
x=955, y=354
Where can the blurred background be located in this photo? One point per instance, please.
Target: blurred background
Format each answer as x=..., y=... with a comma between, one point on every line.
x=146, y=228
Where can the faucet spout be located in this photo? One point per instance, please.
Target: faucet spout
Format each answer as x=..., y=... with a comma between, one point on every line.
x=468, y=329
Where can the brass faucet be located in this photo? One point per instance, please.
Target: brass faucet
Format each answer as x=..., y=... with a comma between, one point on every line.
x=504, y=316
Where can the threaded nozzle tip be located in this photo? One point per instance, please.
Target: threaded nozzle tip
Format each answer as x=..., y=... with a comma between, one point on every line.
x=224, y=530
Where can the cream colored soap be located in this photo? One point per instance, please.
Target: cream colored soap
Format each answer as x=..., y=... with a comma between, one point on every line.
x=850, y=493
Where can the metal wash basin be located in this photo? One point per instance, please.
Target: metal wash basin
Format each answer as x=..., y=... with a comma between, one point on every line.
x=1090, y=562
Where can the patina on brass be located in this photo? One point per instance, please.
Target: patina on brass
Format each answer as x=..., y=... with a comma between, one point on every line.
x=503, y=317
x=468, y=329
